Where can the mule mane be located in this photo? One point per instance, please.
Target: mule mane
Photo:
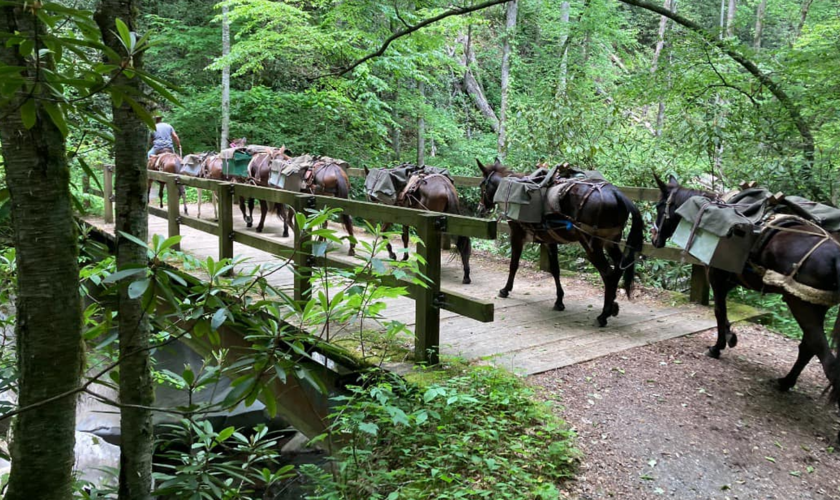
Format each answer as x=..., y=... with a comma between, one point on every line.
x=503, y=171
x=682, y=194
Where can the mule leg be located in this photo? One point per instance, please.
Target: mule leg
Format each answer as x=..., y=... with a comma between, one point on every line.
x=160, y=194
x=249, y=221
x=182, y=191
x=285, y=212
x=609, y=275
x=464, y=246
x=384, y=228
x=721, y=286
x=251, y=210
x=200, y=194
x=811, y=319
x=554, y=267
x=348, y=225
x=263, y=212
x=405, y=240
x=214, y=199
x=517, y=242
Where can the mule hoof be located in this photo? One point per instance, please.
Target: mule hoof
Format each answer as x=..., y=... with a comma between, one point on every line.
x=466, y=280
x=614, y=309
x=559, y=306
x=248, y=224
x=602, y=322
x=259, y=229
x=392, y=256
x=783, y=385
x=405, y=257
x=351, y=253
x=732, y=340
x=285, y=234
x=504, y=293
x=713, y=352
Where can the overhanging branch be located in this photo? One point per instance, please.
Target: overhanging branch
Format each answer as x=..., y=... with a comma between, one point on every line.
x=454, y=11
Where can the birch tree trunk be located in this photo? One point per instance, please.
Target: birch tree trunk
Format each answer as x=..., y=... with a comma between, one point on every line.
x=564, y=69
x=510, y=27
x=421, y=126
x=730, y=18
x=225, y=79
x=803, y=15
x=136, y=385
x=48, y=326
x=759, y=23
x=473, y=88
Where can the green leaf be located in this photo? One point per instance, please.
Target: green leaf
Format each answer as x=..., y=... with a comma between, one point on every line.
x=134, y=239
x=125, y=273
x=218, y=318
x=57, y=117
x=125, y=34
x=270, y=401
x=27, y=113
x=369, y=428
x=225, y=434
x=138, y=288
x=188, y=375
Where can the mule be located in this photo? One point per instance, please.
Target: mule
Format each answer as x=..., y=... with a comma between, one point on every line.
x=169, y=163
x=259, y=171
x=201, y=160
x=594, y=216
x=326, y=178
x=433, y=193
x=796, y=259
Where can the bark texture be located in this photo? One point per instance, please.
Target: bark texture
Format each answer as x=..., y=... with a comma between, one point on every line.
x=510, y=30
x=759, y=23
x=730, y=18
x=421, y=127
x=225, y=79
x=564, y=44
x=803, y=15
x=48, y=328
x=136, y=385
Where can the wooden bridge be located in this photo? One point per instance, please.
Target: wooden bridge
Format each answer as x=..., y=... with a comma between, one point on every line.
x=521, y=333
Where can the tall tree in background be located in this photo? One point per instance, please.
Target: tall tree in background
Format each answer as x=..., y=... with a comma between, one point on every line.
x=759, y=23
x=421, y=125
x=48, y=327
x=117, y=20
x=730, y=18
x=225, y=79
x=510, y=27
x=803, y=15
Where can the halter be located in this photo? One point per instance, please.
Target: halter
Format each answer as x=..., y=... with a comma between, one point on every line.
x=483, y=187
x=668, y=202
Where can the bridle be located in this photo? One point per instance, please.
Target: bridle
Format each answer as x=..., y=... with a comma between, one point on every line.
x=483, y=187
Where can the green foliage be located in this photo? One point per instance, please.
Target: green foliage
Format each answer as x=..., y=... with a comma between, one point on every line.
x=477, y=434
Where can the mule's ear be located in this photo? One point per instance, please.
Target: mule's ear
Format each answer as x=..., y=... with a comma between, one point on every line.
x=367, y=170
x=672, y=181
x=662, y=186
x=498, y=162
x=481, y=166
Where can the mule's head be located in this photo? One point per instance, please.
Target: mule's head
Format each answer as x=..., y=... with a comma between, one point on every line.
x=493, y=175
x=666, y=211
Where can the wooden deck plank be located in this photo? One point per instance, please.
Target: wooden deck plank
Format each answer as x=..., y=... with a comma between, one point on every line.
x=528, y=336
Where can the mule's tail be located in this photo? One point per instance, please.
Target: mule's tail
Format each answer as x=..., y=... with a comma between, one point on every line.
x=834, y=369
x=634, y=243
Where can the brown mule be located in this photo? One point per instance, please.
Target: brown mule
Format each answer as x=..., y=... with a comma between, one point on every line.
x=595, y=218
x=169, y=163
x=794, y=248
x=433, y=193
x=259, y=171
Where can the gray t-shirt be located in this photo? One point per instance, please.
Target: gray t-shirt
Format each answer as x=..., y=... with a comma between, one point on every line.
x=163, y=136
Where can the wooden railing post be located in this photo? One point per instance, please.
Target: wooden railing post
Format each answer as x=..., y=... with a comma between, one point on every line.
x=108, y=193
x=225, y=195
x=427, y=303
x=302, y=257
x=446, y=242
x=699, y=285
x=172, y=215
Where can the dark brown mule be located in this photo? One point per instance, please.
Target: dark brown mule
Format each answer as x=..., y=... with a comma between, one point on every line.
x=329, y=179
x=434, y=193
x=603, y=212
x=213, y=169
x=259, y=171
x=797, y=247
x=170, y=163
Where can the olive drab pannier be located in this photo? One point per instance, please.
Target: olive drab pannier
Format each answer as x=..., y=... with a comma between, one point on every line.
x=290, y=175
x=523, y=198
x=384, y=185
x=235, y=161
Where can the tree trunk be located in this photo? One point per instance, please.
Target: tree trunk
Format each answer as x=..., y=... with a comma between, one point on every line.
x=759, y=23
x=564, y=43
x=722, y=18
x=660, y=42
x=730, y=18
x=791, y=107
x=510, y=26
x=421, y=126
x=803, y=15
x=473, y=88
x=48, y=327
x=663, y=24
x=225, y=79
x=136, y=385
x=395, y=128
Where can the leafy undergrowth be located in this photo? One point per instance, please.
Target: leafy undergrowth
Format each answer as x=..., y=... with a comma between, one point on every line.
x=473, y=434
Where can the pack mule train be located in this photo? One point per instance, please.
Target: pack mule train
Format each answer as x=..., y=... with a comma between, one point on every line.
x=555, y=208
x=793, y=257
x=421, y=188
